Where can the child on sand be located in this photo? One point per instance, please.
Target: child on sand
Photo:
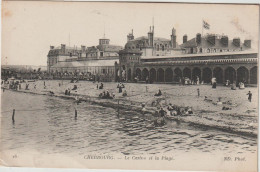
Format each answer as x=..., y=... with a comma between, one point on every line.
x=249, y=96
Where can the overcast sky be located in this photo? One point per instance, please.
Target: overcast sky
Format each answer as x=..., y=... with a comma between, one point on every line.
x=29, y=28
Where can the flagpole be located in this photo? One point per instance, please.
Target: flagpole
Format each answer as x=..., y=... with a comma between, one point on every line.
x=202, y=29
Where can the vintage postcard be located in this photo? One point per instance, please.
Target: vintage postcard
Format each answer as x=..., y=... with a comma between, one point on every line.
x=137, y=86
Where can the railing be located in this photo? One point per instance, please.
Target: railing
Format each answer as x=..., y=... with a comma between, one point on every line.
x=205, y=61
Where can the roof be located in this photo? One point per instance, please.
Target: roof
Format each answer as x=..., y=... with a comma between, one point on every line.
x=89, y=63
x=143, y=42
x=146, y=38
x=130, y=51
x=206, y=44
x=109, y=48
x=57, y=51
x=200, y=54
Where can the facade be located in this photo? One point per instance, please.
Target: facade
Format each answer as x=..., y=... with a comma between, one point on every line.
x=96, y=60
x=62, y=53
x=213, y=43
x=153, y=46
x=201, y=58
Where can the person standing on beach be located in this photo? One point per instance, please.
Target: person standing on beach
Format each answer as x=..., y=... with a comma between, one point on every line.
x=249, y=96
x=198, y=90
x=120, y=87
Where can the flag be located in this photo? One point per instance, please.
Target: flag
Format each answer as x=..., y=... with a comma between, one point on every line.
x=206, y=25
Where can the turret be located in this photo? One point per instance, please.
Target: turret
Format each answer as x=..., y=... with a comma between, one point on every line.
x=83, y=48
x=173, y=38
x=198, y=38
x=130, y=36
x=63, y=47
x=185, y=38
x=150, y=37
x=104, y=41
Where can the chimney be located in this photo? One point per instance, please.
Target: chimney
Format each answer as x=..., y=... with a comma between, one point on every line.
x=247, y=43
x=185, y=38
x=173, y=38
x=212, y=39
x=51, y=47
x=83, y=48
x=224, y=41
x=236, y=42
x=198, y=38
x=63, y=47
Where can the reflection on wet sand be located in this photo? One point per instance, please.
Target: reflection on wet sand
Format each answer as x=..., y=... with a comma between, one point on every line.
x=99, y=130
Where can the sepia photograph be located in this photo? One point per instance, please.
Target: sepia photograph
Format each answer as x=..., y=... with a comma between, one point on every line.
x=129, y=85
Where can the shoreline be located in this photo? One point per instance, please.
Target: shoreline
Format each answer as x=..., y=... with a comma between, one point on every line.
x=193, y=120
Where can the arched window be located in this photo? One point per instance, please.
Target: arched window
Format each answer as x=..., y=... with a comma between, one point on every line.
x=162, y=48
x=157, y=47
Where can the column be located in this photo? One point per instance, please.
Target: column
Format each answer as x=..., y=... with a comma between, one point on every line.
x=164, y=76
x=201, y=75
x=156, y=77
x=249, y=79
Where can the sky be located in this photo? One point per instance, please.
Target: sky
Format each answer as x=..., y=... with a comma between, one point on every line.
x=30, y=28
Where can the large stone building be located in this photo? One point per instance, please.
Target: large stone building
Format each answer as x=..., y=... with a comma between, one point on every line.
x=153, y=46
x=95, y=60
x=201, y=57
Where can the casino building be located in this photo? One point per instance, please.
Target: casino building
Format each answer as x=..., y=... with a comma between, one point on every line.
x=165, y=61
x=96, y=60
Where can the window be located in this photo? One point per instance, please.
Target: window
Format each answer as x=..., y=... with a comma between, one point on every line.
x=101, y=54
x=158, y=48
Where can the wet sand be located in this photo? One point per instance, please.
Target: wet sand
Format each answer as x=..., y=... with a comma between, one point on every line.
x=242, y=119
